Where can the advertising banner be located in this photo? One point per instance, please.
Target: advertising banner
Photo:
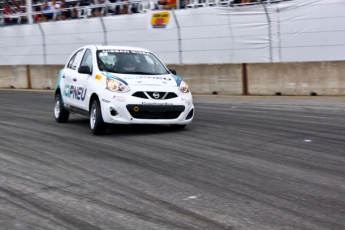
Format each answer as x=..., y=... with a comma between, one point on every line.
x=159, y=19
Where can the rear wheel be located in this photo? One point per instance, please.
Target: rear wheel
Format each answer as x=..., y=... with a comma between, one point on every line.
x=60, y=113
x=97, y=124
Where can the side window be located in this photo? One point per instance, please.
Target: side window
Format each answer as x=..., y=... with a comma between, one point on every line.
x=87, y=59
x=72, y=64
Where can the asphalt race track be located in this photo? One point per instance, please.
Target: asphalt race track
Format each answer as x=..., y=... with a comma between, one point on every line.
x=244, y=163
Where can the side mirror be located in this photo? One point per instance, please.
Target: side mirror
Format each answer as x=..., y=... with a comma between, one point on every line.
x=84, y=69
x=172, y=71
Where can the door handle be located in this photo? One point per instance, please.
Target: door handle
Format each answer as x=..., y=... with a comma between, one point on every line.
x=74, y=79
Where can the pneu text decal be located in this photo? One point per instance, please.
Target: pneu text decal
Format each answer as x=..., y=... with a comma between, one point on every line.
x=75, y=92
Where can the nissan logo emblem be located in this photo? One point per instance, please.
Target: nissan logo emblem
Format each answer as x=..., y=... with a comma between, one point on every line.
x=156, y=95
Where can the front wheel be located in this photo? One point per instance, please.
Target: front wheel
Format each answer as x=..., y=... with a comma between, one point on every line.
x=60, y=113
x=97, y=124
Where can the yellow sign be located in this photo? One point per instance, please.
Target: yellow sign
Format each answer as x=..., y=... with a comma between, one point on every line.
x=98, y=77
x=160, y=19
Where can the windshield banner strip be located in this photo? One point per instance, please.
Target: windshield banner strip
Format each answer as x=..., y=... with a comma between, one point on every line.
x=124, y=51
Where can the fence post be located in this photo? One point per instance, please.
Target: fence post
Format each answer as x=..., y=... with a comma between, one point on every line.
x=29, y=11
x=104, y=31
x=178, y=36
x=269, y=29
x=43, y=44
x=279, y=34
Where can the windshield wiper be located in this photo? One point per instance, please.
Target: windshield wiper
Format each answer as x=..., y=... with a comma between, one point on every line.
x=105, y=70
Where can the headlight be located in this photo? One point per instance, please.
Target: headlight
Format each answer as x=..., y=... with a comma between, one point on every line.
x=184, y=87
x=116, y=86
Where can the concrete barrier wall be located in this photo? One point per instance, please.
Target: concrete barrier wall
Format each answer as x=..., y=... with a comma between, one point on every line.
x=44, y=76
x=208, y=79
x=14, y=76
x=301, y=78
x=305, y=78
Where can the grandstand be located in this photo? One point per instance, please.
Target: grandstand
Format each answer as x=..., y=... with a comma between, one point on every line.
x=14, y=11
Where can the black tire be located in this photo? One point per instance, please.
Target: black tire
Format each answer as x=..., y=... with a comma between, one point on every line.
x=97, y=125
x=178, y=127
x=60, y=113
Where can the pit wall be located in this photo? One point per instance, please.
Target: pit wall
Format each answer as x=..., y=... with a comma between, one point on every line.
x=297, y=78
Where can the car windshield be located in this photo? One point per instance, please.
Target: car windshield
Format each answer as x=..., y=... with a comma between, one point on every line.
x=129, y=62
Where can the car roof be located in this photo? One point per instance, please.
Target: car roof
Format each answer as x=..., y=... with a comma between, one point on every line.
x=99, y=47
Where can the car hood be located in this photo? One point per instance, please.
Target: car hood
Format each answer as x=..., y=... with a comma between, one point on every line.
x=133, y=79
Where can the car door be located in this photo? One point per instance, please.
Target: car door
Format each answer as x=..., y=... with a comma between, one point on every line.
x=82, y=81
x=69, y=78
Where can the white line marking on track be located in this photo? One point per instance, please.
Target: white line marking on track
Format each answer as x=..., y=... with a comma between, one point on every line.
x=191, y=197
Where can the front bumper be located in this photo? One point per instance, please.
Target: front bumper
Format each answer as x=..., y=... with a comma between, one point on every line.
x=123, y=108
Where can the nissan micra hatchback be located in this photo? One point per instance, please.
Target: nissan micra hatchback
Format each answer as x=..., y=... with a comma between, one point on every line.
x=121, y=85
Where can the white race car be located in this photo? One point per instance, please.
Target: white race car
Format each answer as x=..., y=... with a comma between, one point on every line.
x=121, y=85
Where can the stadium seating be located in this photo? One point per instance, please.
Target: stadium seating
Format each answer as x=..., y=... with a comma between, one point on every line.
x=13, y=12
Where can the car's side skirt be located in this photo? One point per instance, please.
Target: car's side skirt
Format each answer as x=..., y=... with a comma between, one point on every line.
x=76, y=110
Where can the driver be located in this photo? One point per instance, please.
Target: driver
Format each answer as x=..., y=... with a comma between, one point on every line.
x=129, y=64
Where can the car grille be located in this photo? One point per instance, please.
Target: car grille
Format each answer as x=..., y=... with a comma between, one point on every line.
x=155, y=111
x=140, y=94
x=170, y=95
x=155, y=95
